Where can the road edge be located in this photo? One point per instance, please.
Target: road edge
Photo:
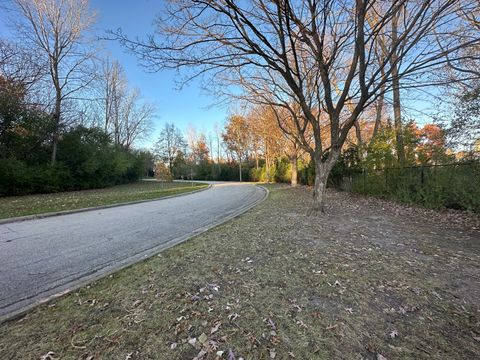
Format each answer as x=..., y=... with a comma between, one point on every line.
x=145, y=255
x=100, y=207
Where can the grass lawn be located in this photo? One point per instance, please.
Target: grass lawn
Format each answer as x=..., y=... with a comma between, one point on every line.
x=368, y=280
x=44, y=203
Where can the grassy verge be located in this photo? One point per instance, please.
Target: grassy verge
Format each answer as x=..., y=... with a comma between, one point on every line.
x=44, y=203
x=360, y=282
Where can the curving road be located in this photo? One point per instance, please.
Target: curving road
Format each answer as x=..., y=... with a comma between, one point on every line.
x=44, y=257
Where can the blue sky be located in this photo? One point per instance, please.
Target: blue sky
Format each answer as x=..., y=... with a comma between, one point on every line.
x=187, y=107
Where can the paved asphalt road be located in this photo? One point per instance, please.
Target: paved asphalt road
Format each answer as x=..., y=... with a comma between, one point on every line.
x=43, y=257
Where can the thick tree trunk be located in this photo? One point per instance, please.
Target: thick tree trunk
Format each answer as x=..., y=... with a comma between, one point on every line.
x=322, y=171
x=321, y=177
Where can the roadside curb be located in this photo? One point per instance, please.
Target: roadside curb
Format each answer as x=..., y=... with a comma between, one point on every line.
x=101, y=207
x=145, y=255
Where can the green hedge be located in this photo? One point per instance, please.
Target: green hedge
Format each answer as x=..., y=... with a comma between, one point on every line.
x=86, y=159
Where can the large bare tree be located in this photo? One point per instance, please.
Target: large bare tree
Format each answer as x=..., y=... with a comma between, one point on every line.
x=56, y=29
x=113, y=88
x=135, y=120
x=301, y=51
x=120, y=109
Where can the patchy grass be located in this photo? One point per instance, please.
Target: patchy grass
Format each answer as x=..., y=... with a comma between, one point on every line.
x=368, y=280
x=44, y=203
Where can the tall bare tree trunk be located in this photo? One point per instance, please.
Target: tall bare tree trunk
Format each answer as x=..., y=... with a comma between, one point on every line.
x=56, y=112
x=55, y=134
x=55, y=137
x=240, y=168
x=267, y=164
x=397, y=114
x=55, y=29
x=397, y=110
x=267, y=169
x=378, y=115
x=294, y=162
x=358, y=133
x=379, y=108
x=107, y=75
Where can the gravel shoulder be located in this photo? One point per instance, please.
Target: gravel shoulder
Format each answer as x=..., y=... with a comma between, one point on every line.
x=370, y=279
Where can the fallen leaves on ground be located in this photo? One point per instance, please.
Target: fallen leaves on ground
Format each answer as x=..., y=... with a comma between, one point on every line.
x=367, y=280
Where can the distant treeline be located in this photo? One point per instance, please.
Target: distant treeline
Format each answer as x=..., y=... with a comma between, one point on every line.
x=280, y=171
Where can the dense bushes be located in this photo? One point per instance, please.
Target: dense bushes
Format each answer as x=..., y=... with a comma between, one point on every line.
x=454, y=186
x=429, y=177
x=86, y=156
x=16, y=177
x=93, y=161
x=86, y=159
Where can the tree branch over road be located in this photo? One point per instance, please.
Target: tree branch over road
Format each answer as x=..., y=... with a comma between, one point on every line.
x=321, y=55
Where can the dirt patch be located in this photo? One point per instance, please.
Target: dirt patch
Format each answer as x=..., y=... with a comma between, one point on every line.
x=368, y=278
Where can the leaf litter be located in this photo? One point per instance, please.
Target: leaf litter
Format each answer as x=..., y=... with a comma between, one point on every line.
x=277, y=283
